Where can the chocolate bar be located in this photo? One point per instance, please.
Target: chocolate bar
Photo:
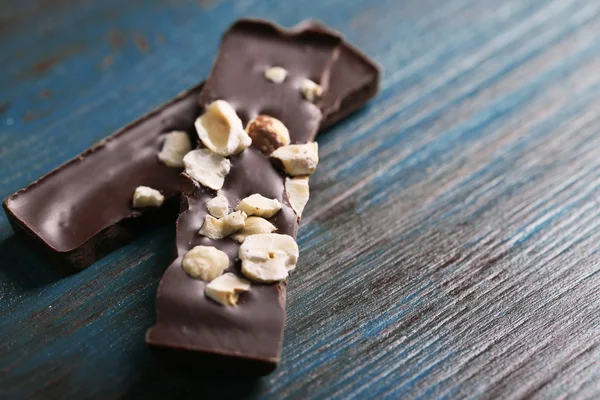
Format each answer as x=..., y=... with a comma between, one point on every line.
x=354, y=80
x=192, y=328
x=82, y=210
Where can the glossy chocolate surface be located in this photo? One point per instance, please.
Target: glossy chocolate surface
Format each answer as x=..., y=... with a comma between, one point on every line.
x=74, y=220
x=248, y=49
x=82, y=210
x=186, y=319
x=349, y=88
x=354, y=80
x=252, y=331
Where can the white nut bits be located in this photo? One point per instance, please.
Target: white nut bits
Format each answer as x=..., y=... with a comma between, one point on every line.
x=205, y=262
x=176, y=145
x=297, y=193
x=218, y=207
x=207, y=168
x=254, y=226
x=268, y=257
x=259, y=205
x=311, y=90
x=298, y=159
x=267, y=133
x=221, y=130
x=226, y=289
x=145, y=197
x=214, y=228
x=275, y=74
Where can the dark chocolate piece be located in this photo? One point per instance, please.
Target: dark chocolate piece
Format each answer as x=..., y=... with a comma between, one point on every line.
x=354, y=79
x=81, y=211
x=249, y=335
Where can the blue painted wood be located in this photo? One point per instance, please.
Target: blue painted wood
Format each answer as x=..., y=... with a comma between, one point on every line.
x=451, y=245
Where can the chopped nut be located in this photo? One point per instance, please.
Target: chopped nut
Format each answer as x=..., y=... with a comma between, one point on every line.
x=226, y=289
x=221, y=130
x=311, y=90
x=268, y=257
x=176, y=145
x=218, y=228
x=267, y=133
x=205, y=262
x=207, y=168
x=259, y=205
x=218, y=206
x=297, y=193
x=145, y=196
x=298, y=159
x=276, y=74
x=254, y=226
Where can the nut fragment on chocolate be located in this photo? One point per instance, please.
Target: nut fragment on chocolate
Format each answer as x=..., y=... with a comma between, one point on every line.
x=221, y=130
x=176, y=145
x=311, y=90
x=207, y=168
x=226, y=289
x=218, y=228
x=298, y=159
x=276, y=74
x=145, y=197
x=253, y=226
x=259, y=206
x=205, y=263
x=297, y=192
x=218, y=207
x=268, y=257
x=267, y=133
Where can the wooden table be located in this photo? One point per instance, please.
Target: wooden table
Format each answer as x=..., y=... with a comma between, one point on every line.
x=451, y=248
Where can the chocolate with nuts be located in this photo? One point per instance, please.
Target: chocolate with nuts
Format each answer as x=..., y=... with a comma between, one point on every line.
x=190, y=324
x=82, y=210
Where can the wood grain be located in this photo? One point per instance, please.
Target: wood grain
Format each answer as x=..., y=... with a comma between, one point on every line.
x=451, y=245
